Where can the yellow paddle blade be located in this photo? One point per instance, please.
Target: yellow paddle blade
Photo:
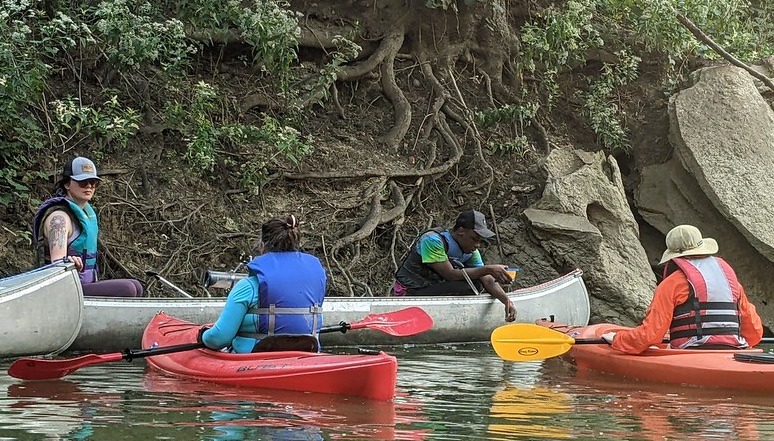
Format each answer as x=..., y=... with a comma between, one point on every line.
x=526, y=342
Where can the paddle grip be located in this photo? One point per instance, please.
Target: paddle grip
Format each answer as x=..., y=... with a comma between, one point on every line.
x=343, y=327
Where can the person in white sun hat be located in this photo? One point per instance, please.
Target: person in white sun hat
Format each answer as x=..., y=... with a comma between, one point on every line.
x=699, y=301
x=65, y=227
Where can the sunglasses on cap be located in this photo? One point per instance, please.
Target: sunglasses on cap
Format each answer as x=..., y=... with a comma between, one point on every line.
x=88, y=183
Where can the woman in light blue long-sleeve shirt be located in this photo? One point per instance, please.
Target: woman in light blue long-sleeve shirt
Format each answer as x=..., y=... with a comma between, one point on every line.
x=282, y=295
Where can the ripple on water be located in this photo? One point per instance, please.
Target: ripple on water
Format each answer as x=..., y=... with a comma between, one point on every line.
x=445, y=392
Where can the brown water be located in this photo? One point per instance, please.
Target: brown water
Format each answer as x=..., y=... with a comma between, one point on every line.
x=460, y=392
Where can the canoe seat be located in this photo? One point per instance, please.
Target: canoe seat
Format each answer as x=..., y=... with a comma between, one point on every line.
x=755, y=358
x=287, y=342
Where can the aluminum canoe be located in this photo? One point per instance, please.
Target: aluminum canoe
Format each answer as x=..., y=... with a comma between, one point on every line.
x=41, y=311
x=114, y=323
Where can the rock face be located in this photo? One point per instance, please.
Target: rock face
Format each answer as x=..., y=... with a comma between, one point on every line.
x=723, y=133
x=583, y=220
x=720, y=179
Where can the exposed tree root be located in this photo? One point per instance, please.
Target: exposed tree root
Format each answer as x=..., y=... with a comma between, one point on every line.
x=370, y=222
x=388, y=46
x=395, y=136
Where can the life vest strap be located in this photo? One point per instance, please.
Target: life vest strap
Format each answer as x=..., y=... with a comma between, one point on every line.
x=686, y=308
x=707, y=318
x=272, y=311
x=704, y=331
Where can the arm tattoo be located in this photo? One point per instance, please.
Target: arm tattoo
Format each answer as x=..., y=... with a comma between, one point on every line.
x=57, y=232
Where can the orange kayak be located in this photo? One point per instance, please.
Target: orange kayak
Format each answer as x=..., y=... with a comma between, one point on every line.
x=696, y=367
x=369, y=376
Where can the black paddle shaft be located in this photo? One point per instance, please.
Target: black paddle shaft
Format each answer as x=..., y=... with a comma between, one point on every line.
x=131, y=354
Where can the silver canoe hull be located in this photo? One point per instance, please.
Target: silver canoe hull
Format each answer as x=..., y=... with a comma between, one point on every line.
x=41, y=311
x=114, y=324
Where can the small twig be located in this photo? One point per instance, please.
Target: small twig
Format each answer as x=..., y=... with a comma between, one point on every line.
x=392, y=247
x=335, y=96
x=496, y=231
x=328, y=262
x=346, y=276
x=112, y=258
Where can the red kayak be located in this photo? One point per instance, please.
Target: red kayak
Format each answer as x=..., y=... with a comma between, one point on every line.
x=698, y=367
x=369, y=376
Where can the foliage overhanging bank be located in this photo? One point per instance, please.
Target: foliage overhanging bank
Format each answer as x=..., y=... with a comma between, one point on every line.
x=236, y=89
x=133, y=46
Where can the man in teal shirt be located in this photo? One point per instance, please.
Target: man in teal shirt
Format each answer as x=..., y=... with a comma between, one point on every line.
x=443, y=262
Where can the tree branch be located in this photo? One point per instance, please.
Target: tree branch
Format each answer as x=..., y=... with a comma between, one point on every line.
x=704, y=38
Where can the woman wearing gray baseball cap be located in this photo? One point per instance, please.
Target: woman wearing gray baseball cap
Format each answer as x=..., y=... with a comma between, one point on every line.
x=66, y=227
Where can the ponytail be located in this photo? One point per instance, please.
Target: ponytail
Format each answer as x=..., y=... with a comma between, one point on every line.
x=281, y=233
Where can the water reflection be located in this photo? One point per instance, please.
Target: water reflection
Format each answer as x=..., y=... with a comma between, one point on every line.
x=450, y=392
x=51, y=408
x=663, y=412
x=236, y=413
x=528, y=413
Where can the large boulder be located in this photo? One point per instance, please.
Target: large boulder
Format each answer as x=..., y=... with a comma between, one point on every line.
x=583, y=220
x=723, y=133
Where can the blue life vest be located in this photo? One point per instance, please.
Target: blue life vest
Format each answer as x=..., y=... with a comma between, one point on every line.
x=83, y=245
x=291, y=289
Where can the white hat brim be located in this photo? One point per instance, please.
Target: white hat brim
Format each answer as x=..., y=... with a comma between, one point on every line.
x=708, y=246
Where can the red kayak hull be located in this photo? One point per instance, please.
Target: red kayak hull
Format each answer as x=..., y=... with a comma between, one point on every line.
x=695, y=367
x=368, y=376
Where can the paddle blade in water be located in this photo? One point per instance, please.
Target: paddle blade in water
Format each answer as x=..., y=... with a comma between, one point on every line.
x=43, y=369
x=408, y=321
x=525, y=342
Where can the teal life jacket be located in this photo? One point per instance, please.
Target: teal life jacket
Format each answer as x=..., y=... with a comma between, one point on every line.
x=83, y=245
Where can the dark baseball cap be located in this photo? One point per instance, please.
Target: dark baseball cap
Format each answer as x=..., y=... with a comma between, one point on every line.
x=80, y=169
x=474, y=220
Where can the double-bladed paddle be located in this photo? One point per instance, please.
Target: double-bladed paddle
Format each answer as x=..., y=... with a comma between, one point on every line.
x=401, y=323
x=404, y=322
x=526, y=342
x=44, y=369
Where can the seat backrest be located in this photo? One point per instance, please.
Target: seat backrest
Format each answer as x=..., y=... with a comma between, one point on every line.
x=287, y=342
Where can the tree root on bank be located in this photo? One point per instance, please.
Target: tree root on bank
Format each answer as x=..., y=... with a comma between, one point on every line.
x=443, y=135
x=395, y=136
x=443, y=109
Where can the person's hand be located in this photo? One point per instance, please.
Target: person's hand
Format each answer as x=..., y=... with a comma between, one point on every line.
x=608, y=337
x=77, y=261
x=200, y=334
x=510, y=311
x=500, y=274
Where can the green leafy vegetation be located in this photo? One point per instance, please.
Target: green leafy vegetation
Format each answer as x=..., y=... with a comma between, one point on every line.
x=93, y=75
x=207, y=129
x=133, y=48
x=564, y=37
